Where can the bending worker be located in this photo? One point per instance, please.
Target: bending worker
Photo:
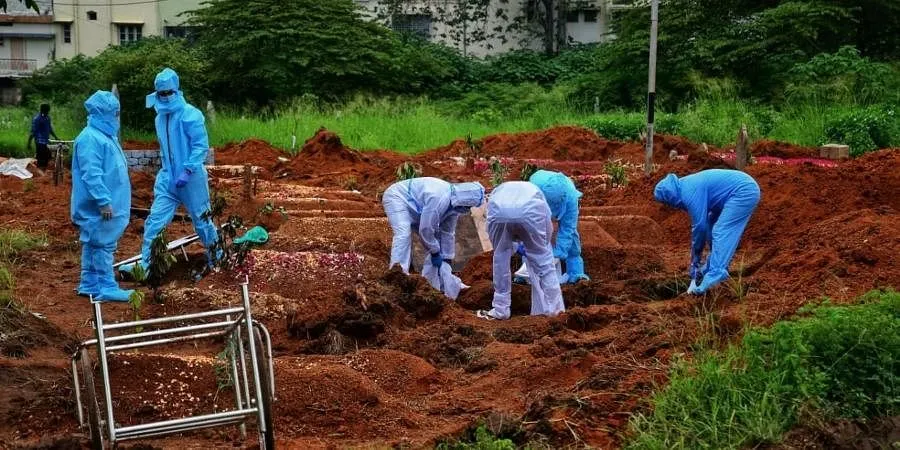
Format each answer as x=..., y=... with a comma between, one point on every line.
x=430, y=207
x=518, y=219
x=181, y=130
x=101, y=197
x=562, y=197
x=720, y=203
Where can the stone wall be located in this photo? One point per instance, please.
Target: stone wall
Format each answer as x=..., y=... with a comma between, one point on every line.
x=148, y=160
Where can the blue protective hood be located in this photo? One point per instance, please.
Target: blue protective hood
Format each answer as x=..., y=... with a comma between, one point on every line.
x=166, y=80
x=103, y=112
x=668, y=191
x=467, y=195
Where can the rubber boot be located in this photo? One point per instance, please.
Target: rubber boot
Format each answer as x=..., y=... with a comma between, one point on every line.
x=88, y=283
x=109, y=289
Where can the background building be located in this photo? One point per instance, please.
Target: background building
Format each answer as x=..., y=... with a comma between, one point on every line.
x=587, y=22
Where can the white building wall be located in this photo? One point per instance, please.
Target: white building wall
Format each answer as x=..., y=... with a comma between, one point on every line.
x=580, y=32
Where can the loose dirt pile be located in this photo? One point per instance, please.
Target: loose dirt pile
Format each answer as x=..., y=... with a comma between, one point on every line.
x=563, y=144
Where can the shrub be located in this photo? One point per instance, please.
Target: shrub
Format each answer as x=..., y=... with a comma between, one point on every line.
x=836, y=361
x=61, y=81
x=866, y=130
x=628, y=126
x=493, y=102
x=843, y=77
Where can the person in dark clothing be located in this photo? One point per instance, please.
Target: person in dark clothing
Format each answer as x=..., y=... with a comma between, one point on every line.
x=41, y=130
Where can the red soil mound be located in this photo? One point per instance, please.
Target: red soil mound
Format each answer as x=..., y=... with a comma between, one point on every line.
x=252, y=151
x=782, y=150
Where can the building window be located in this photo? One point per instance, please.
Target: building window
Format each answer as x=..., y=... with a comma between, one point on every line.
x=590, y=15
x=92, y=15
x=572, y=16
x=129, y=33
x=181, y=31
x=417, y=24
x=67, y=33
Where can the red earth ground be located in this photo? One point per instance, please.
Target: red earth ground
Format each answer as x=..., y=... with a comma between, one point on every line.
x=373, y=358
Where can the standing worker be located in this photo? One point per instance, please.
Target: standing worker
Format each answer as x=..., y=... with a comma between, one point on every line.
x=101, y=197
x=518, y=219
x=562, y=197
x=181, y=130
x=430, y=207
x=41, y=130
x=720, y=203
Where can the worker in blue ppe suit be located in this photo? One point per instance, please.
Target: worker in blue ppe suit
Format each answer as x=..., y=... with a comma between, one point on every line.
x=518, y=219
x=101, y=197
x=561, y=195
x=430, y=207
x=181, y=130
x=720, y=203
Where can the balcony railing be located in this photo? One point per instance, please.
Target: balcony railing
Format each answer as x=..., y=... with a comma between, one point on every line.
x=17, y=67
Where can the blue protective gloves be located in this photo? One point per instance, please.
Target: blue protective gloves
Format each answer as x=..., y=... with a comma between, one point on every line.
x=436, y=260
x=520, y=249
x=693, y=289
x=183, y=179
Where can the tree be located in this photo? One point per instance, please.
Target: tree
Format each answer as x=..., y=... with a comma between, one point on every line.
x=264, y=50
x=29, y=3
x=481, y=21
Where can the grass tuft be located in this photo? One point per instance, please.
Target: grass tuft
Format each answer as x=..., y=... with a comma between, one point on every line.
x=834, y=362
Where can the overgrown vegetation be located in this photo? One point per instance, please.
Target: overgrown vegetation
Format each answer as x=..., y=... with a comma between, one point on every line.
x=833, y=362
x=482, y=439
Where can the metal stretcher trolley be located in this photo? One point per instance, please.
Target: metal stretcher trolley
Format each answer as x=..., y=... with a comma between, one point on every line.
x=251, y=371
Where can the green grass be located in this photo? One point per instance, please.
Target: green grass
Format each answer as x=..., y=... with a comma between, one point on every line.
x=411, y=126
x=406, y=126
x=834, y=362
x=13, y=242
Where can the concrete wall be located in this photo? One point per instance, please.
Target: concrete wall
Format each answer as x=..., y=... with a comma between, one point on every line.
x=149, y=160
x=579, y=31
x=90, y=37
x=169, y=11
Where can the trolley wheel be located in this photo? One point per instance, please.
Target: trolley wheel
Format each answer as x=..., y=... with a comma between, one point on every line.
x=96, y=432
x=267, y=437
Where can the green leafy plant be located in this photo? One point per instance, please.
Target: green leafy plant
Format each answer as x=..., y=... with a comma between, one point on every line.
x=473, y=147
x=498, y=172
x=866, y=130
x=222, y=367
x=28, y=186
x=136, y=301
x=482, y=440
x=269, y=208
x=527, y=171
x=407, y=171
x=617, y=172
x=161, y=262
